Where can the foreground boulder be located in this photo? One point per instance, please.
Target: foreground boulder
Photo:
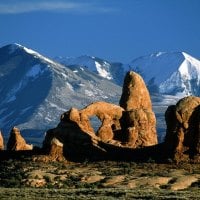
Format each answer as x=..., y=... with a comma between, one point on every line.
x=183, y=129
x=128, y=126
x=1, y=142
x=16, y=142
x=138, y=121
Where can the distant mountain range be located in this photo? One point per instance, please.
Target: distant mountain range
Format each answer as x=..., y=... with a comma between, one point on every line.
x=174, y=73
x=36, y=90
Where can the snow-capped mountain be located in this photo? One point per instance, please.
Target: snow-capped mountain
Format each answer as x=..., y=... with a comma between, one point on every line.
x=175, y=73
x=108, y=70
x=170, y=73
x=35, y=90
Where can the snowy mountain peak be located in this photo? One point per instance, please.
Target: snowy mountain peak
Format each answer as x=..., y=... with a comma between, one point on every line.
x=170, y=73
x=191, y=59
x=15, y=47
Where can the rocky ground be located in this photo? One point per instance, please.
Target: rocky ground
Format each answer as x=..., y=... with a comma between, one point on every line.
x=25, y=179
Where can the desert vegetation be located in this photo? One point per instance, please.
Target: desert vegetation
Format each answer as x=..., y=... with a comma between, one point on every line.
x=25, y=179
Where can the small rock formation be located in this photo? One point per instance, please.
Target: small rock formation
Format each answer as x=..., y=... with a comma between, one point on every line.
x=138, y=121
x=1, y=142
x=127, y=127
x=16, y=142
x=53, y=151
x=56, y=150
x=182, y=139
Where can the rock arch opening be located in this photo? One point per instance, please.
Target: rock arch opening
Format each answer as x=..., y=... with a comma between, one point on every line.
x=95, y=123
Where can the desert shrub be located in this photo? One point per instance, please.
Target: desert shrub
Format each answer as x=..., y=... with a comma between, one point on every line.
x=47, y=178
x=72, y=181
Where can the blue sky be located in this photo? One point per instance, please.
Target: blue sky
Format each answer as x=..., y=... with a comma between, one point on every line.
x=116, y=30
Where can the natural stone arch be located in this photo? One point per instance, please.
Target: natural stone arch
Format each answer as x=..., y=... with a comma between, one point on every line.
x=109, y=115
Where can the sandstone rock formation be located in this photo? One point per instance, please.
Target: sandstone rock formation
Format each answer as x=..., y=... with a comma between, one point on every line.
x=1, y=142
x=77, y=134
x=130, y=126
x=138, y=121
x=183, y=129
x=56, y=151
x=16, y=142
x=109, y=115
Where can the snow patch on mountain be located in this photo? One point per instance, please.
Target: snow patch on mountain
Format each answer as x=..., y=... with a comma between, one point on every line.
x=70, y=86
x=102, y=72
